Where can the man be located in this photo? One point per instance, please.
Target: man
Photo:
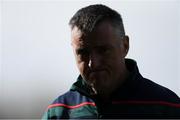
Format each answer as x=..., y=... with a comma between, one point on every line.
x=109, y=86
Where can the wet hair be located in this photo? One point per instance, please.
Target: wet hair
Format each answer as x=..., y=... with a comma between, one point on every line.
x=88, y=17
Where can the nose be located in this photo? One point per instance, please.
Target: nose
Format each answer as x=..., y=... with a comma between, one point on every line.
x=94, y=61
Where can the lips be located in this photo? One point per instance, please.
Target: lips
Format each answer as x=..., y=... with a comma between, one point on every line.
x=98, y=74
x=97, y=70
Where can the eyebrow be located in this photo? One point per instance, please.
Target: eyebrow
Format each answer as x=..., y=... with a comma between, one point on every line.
x=95, y=47
x=82, y=49
x=103, y=46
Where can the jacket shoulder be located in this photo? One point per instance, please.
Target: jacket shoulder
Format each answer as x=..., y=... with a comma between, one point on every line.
x=67, y=105
x=154, y=91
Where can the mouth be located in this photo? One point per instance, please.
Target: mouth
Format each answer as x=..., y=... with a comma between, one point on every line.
x=97, y=71
x=97, y=75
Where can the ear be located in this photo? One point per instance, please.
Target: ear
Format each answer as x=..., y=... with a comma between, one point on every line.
x=125, y=43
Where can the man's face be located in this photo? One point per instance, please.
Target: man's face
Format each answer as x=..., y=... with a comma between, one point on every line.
x=100, y=56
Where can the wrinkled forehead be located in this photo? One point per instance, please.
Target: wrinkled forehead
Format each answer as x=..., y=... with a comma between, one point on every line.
x=103, y=33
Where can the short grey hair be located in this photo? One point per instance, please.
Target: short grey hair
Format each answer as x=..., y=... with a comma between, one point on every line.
x=88, y=17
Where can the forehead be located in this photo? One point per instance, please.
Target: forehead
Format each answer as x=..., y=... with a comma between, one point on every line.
x=102, y=34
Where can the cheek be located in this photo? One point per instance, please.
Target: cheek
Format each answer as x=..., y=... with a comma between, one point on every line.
x=83, y=68
x=114, y=64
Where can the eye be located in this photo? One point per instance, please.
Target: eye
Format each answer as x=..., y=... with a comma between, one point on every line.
x=103, y=50
x=82, y=54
